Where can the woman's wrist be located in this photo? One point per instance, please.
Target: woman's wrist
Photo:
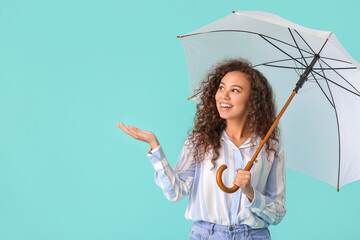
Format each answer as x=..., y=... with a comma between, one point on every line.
x=250, y=195
x=154, y=144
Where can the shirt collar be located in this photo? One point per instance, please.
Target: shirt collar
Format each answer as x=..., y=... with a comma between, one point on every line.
x=246, y=144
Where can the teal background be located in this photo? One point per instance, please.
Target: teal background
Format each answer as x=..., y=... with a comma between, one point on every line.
x=69, y=70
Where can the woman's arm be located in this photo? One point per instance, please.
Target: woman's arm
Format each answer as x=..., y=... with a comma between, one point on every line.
x=271, y=207
x=175, y=183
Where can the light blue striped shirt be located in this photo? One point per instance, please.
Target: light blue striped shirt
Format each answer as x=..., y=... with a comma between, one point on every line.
x=207, y=201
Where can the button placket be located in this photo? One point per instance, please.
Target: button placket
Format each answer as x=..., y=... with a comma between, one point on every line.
x=236, y=197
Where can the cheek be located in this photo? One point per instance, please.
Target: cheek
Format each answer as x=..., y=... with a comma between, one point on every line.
x=216, y=96
x=248, y=101
x=248, y=106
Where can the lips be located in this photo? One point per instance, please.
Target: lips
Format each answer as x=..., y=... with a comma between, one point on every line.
x=225, y=106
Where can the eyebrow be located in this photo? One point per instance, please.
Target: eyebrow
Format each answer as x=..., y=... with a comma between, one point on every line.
x=233, y=85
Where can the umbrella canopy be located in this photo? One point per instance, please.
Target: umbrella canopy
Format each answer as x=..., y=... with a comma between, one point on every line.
x=322, y=124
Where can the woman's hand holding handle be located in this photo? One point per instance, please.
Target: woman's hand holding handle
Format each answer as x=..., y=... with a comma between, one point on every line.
x=142, y=135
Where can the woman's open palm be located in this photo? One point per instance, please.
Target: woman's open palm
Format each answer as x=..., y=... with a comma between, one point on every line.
x=138, y=134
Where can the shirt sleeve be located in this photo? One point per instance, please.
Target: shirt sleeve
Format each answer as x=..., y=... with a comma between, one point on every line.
x=175, y=183
x=271, y=207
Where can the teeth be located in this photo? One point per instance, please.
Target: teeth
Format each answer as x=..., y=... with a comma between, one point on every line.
x=225, y=105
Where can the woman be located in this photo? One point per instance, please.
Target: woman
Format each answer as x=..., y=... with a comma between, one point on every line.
x=235, y=113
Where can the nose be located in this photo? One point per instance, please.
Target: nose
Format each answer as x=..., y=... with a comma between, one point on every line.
x=225, y=95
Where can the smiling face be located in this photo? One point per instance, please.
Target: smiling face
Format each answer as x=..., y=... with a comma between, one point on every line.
x=233, y=95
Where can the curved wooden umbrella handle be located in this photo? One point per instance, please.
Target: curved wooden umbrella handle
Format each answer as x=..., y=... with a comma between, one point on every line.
x=220, y=182
x=219, y=177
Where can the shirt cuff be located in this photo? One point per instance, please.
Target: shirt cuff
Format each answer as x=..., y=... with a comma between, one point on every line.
x=157, y=158
x=258, y=203
x=154, y=150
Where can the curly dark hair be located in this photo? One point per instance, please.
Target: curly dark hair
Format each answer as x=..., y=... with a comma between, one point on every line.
x=208, y=125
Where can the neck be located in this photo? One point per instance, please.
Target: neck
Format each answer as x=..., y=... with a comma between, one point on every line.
x=236, y=129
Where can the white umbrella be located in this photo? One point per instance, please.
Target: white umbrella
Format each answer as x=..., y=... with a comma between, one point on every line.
x=322, y=124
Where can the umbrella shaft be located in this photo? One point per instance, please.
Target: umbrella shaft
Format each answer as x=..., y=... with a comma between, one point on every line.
x=305, y=75
x=251, y=162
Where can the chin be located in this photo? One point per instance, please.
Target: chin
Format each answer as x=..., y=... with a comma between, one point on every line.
x=224, y=117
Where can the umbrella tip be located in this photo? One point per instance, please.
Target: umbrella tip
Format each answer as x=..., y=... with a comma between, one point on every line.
x=179, y=36
x=190, y=97
x=338, y=188
x=233, y=11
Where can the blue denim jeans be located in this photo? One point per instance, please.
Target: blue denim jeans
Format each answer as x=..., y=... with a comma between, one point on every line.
x=210, y=231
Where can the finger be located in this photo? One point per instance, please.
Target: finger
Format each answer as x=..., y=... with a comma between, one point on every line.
x=241, y=181
x=242, y=178
x=127, y=130
x=237, y=183
x=120, y=125
x=134, y=128
x=133, y=133
x=123, y=127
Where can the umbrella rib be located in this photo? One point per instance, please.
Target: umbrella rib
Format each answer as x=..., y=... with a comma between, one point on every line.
x=297, y=70
x=297, y=46
x=303, y=58
x=330, y=68
x=337, y=84
x=281, y=50
x=323, y=46
x=337, y=60
x=276, y=61
x=327, y=83
x=303, y=68
x=282, y=42
x=225, y=30
x=277, y=66
x=340, y=75
x=338, y=127
x=288, y=59
x=304, y=41
x=332, y=104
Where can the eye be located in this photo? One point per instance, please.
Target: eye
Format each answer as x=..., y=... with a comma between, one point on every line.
x=221, y=87
x=236, y=90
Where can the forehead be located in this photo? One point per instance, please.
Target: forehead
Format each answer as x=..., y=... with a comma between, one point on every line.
x=236, y=78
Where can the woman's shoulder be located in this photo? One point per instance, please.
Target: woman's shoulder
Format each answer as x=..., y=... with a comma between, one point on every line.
x=190, y=141
x=274, y=144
